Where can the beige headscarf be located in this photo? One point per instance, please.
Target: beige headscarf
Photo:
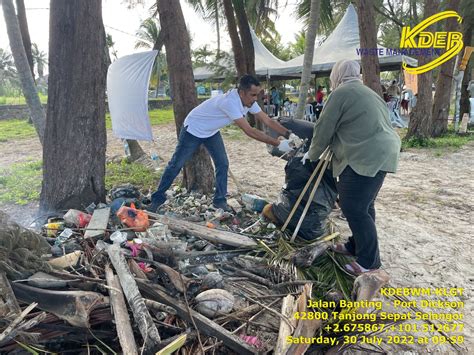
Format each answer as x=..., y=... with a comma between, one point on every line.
x=344, y=71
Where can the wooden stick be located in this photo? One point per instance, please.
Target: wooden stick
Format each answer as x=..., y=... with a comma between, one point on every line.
x=237, y=183
x=11, y=328
x=122, y=320
x=288, y=309
x=8, y=302
x=213, y=235
x=308, y=183
x=310, y=199
x=141, y=315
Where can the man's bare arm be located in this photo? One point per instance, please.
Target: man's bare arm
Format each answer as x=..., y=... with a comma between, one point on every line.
x=255, y=133
x=274, y=125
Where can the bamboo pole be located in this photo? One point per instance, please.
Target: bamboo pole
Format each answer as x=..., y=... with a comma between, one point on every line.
x=308, y=183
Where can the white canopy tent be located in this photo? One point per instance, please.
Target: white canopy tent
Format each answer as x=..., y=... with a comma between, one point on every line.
x=342, y=43
x=264, y=59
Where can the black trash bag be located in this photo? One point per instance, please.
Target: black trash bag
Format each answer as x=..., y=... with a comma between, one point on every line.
x=315, y=223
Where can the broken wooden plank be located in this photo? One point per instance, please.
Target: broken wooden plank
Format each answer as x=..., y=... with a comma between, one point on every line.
x=204, y=324
x=122, y=320
x=288, y=309
x=67, y=260
x=98, y=223
x=72, y=306
x=140, y=312
x=305, y=328
x=212, y=235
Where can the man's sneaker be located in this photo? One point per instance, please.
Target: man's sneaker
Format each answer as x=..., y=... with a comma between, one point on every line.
x=224, y=206
x=153, y=207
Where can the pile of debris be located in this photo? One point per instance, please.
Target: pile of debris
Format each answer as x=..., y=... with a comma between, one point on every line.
x=114, y=278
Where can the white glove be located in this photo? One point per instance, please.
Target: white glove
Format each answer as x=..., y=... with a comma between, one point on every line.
x=295, y=141
x=305, y=157
x=284, y=146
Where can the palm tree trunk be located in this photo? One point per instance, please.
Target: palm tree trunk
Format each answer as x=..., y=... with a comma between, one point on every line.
x=21, y=62
x=218, y=30
x=443, y=85
x=25, y=34
x=75, y=138
x=239, y=57
x=368, y=39
x=420, y=118
x=468, y=41
x=246, y=36
x=308, y=56
x=198, y=172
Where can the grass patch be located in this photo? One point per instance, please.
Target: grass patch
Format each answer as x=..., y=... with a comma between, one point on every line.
x=21, y=183
x=157, y=117
x=450, y=141
x=16, y=129
x=20, y=100
x=136, y=174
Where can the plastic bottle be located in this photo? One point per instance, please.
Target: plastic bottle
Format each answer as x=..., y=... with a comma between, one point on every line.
x=155, y=159
x=127, y=148
x=253, y=202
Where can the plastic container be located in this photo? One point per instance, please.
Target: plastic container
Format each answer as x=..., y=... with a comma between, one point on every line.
x=253, y=202
x=64, y=236
x=136, y=219
x=52, y=228
x=78, y=218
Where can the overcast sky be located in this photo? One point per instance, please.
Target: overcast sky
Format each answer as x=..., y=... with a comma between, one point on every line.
x=122, y=23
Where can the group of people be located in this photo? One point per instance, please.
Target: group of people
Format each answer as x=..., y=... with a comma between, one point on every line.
x=354, y=124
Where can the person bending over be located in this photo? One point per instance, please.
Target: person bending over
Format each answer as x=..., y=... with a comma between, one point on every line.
x=202, y=126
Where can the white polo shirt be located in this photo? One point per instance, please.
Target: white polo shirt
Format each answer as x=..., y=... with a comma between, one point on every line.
x=206, y=119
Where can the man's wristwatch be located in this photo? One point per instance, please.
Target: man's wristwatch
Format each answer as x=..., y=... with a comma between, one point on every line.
x=288, y=133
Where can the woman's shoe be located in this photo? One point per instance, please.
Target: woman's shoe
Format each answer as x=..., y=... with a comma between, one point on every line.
x=340, y=249
x=356, y=269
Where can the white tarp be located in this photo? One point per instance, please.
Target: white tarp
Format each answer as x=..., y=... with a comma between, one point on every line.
x=127, y=93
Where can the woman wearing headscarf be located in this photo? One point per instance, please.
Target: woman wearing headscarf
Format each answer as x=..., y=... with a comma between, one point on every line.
x=355, y=125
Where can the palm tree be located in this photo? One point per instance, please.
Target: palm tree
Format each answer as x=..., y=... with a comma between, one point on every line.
x=8, y=74
x=21, y=62
x=308, y=56
x=149, y=38
x=39, y=59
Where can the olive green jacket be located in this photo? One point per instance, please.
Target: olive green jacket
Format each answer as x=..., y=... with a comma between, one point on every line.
x=355, y=124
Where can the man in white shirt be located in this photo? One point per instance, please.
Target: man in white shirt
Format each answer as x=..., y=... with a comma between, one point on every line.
x=202, y=126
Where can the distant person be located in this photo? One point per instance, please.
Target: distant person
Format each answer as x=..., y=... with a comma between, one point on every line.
x=320, y=95
x=276, y=100
x=202, y=126
x=393, y=90
x=355, y=125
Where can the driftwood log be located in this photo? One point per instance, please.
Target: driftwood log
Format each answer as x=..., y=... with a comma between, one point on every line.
x=212, y=235
x=122, y=320
x=288, y=309
x=140, y=312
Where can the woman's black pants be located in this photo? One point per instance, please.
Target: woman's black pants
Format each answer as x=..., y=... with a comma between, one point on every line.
x=357, y=195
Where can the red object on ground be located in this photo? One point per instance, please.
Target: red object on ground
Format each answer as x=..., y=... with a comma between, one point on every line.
x=136, y=219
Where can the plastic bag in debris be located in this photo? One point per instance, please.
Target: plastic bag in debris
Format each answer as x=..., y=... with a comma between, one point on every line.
x=315, y=223
x=125, y=191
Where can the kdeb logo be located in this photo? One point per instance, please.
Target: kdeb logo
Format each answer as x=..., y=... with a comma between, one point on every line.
x=451, y=41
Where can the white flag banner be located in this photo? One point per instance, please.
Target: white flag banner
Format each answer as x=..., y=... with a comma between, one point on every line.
x=127, y=93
